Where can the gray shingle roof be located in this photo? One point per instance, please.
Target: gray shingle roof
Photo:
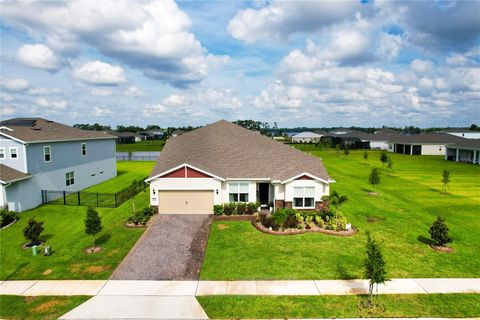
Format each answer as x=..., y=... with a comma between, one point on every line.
x=8, y=174
x=427, y=138
x=466, y=143
x=37, y=130
x=230, y=151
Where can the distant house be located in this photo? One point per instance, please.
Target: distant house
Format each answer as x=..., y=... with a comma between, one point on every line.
x=177, y=133
x=151, y=135
x=464, y=133
x=379, y=140
x=125, y=137
x=466, y=150
x=204, y=167
x=306, y=137
x=422, y=144
x=38, y=154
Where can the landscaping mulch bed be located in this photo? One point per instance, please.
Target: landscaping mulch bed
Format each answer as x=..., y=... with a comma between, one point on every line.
x=29, y=245
x=8, y=225
x=249, y=217
x=441, y=248
x=91, y=250
x=286, y=232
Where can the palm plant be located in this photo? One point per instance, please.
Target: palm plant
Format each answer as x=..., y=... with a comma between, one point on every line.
x=337, y=201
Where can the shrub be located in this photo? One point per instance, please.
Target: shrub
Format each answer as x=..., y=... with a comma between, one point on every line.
x=241, y=208
x=251, y=208
x=218, y=209
x=319, y=221
x=439, y=232
x=229, y=208
x=140, y=217
x=309, y=222
x=280, y=216
x=33, y=230
x=7, y=217
x=268, y=222
x=93, y=224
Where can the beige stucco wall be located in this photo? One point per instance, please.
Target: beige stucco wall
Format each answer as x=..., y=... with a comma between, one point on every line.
x=433, y=150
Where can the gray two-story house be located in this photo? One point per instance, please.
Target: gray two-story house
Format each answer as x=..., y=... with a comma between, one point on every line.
x=38, y=154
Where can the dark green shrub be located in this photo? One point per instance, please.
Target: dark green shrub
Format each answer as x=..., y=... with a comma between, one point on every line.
x=7, y=217
x=140, y=217
x=93, y=224
x=33, y=230
x=241, y=208
x=218, y=209
x=439, y=232
x=268, y=222
x=229, y=208
x=251, y=208
x=291, y=222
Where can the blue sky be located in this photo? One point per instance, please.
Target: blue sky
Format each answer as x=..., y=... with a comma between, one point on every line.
x=314, y=63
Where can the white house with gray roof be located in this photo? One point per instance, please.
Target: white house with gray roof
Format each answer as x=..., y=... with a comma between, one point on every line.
x=223, y=163
x=38, y=154
x=306, y=137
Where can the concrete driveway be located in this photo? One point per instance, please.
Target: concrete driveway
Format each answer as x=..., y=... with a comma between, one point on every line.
x=172, y=248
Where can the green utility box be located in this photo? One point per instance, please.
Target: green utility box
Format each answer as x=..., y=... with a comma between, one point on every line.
x=35, y=250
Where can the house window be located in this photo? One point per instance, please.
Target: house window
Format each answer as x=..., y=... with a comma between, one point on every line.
x=13, y=153
x=303, y=197
x=47, y=153
x=2, y=153
x=69, y=178
x=238, y=192
x=84, y=149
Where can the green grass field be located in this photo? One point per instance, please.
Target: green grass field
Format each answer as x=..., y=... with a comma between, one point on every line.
x=409, y=201
x=64, y=232
x=283, y=307
x=147, y=145
x=37, y=308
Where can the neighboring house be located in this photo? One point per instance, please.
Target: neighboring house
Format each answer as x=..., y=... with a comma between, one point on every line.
x=224, y=162
x=151, y=135
x=38, y=154
x=177, y=133
x=464, y=133
x=125, y=137
x=379, y=140
x=466, y=150
x=422, y=144
x=306, y=137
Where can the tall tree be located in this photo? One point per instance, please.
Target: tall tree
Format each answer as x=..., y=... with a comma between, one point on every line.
x=375, y=270
x=445, y=180
x=374, y=177
x=93, y=224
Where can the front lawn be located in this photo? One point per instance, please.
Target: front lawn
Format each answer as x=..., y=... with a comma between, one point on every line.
x=64, y=232
x=400, y=216
x=283, y=307
x=37, y=308
x=146, y=145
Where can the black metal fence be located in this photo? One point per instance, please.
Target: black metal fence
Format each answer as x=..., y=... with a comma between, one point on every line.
x=93, y=199
x=138, y=156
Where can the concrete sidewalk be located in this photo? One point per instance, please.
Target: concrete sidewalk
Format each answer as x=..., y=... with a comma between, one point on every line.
x=202, y=288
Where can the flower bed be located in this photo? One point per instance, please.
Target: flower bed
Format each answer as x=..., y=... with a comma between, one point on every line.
x=235, y=208
x=286, y=232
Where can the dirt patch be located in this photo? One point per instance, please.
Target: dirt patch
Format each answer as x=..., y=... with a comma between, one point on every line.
x=47, y=306
x=374, y=219
x=222, y=226
x=98, y=269
x=133, y=225
x=373, y=194
x=113, y=252
x=441, y=248
x=91, y=250
x=75, y=267
x=47, y=272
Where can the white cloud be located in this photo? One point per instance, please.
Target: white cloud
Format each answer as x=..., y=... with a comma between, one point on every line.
x=389, y=46
x=15, y=84
x=5, y=97
x=134, y=92
x=278, y=20
x=101, y=92
x=99, y=73
x=151, y=36
x=54, y=105
x=38, y=56
x=421, y=66
x=100, y=111
x=44, y=91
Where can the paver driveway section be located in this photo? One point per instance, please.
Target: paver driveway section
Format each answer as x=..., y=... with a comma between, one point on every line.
x=172, y=248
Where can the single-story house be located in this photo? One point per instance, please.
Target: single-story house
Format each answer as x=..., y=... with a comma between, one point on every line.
x=223, y=162
x=379, y=140
x=422, y=144
x=466, y=150
x=151, y=135
x=306, y=137
x=125, y=137
x=464, y=133
x=177, y=133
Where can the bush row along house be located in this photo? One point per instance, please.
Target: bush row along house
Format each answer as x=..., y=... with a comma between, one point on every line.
x=223, y=162
x=38, y=154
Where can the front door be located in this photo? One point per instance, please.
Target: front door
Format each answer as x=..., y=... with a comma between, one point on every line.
x=263, y=192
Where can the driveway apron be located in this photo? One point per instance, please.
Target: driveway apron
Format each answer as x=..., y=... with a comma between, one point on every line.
x=172, y=248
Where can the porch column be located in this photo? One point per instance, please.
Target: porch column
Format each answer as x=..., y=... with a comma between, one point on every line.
x=411, y=149
x=446, y=153
x=456, y=156
x=474, y=156
x=395, y=148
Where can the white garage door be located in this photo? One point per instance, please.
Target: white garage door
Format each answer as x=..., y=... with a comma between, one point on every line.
x=185, y=202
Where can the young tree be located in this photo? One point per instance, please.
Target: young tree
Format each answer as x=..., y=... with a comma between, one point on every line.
x=337, y=149
x=33, y=230
x=375, y=270
x=346, y=151
x=93, y=224
x=337, y=201
x=439, y=232
x=365, y=156
x=445, y=180
x=374, y=177
x=383, y=158
x=389, y=163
